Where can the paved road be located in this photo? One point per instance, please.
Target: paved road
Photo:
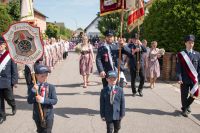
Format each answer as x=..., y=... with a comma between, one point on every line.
x=77, y=110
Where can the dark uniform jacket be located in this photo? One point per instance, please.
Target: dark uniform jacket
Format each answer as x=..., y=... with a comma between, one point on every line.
x=133, y=58
x=48, y=102
x=9, y=75
x=113, y=111
x=181, y=73
x=102, y=58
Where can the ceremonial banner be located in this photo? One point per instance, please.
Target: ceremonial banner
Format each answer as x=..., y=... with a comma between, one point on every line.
x=24, y=43
x=130, y=4
x=110, y=6
x=136, y=15
x=27, y=13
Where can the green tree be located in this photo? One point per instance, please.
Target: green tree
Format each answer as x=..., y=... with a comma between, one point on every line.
x=169, y=21
x=5, y=19
x=52, y=31
x=14, y=9
x=65, y=33
x=113, y=21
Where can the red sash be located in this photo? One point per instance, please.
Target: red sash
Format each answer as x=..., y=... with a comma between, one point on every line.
x=191, y=71
x=4, y=60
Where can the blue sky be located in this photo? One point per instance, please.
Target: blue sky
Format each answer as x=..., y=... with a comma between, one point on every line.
x=74, y=13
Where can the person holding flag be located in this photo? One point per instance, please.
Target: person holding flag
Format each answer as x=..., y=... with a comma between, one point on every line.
x=188, y=72
x=107, y=58
x=8, y=79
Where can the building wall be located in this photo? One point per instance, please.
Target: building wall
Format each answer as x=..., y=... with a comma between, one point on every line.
x=40, y=22
x=93, y=29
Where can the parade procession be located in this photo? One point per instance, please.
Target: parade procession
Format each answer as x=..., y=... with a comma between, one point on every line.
x=99, y=66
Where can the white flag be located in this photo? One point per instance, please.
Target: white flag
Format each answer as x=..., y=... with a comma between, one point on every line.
x=27, y=13
x=131, y=4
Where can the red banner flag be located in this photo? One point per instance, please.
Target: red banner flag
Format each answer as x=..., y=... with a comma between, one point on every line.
x=110, y=6
x=136, y=15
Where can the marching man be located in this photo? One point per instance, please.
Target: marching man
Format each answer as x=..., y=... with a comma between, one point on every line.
x=188, y=72
x=8, y=79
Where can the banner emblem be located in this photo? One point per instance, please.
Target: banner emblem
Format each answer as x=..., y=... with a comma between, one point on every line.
x=24, y=43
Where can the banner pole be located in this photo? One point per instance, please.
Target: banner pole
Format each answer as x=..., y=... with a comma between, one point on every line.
x=121, y=33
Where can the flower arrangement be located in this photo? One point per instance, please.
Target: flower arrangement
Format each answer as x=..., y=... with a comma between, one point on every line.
x=161, y=51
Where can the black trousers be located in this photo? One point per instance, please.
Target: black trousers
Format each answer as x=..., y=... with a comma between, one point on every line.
x=104, y=82
x=115, y=124
x=44, y=130
x=65, y=54
x=133, y=80
x=6, y=94
x=186, y=99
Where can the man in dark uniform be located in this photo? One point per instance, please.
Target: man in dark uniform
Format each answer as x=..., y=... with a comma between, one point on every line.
x=8, y=79
x=188, y=63
x=108, y=56
x=136, y=63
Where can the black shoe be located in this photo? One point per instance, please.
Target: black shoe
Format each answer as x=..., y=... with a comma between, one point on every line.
x=134, y=94
x=14, y=110
x=184, y=113
x=140, y=94
x=189, y=110
x=2, y=119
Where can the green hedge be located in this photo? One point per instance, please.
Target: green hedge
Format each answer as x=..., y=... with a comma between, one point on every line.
x=169, y=21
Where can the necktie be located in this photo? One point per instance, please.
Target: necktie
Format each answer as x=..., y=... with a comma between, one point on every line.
x=190, y=54
x=112, y=95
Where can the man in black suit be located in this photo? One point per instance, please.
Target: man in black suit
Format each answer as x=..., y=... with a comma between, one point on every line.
x=46, y=97
x=188, y=72
x=107, y=58
x=8, y=79
x=136, y=63
x=112, y=103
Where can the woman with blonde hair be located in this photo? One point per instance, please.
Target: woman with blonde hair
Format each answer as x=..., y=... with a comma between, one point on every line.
x=86, y=59
x=153, y=64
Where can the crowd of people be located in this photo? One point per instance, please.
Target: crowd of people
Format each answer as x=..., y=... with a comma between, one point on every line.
x=142, y=62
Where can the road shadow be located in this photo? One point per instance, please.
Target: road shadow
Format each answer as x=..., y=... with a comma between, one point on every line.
x=23, y=105
x=69, y=85
x=20, y=97
x=92, y=93
x=197, y=116
x=176, y=113
x=64, y=112
x=67, y=94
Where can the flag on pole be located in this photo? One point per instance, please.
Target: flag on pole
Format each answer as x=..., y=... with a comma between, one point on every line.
x=136, y=14
x=130, y=4
x=27, y=13
x=110, y=6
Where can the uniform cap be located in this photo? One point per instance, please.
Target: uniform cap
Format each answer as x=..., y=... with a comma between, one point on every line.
x=109, y=33
x=41, y=69
x=112, y=74
x=190, y=38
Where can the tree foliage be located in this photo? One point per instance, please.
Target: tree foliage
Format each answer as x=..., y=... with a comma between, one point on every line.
x=52, y=31
x=5, y=19
x=112, y=21
x=57, y=32
x=169, y=21
x=14, y=9
x=65, y=33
